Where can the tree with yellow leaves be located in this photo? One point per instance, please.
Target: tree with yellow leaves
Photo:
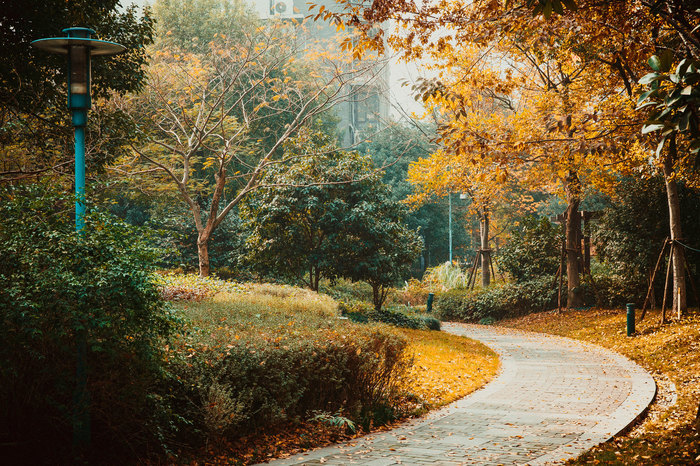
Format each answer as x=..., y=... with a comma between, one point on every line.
x=564, y=87
x=543, y=128
x=212, y=124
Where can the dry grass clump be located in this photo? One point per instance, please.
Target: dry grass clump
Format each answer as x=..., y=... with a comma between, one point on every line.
x=176, y=286
x=670, y=434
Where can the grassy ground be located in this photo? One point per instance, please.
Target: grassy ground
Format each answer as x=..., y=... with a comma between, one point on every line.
x=445, y=367
x=670, y=433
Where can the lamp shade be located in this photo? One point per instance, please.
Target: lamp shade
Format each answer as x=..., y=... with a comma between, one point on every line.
x=79, y=47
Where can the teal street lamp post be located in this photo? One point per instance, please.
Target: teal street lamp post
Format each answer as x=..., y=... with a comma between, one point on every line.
x=449, y=221
x=80, y=47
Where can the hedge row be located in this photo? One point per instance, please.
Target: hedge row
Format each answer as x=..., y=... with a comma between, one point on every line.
x=231, y=390
x=496, y=302
x=396, y=315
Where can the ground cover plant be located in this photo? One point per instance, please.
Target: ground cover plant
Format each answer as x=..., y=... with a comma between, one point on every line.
x=670, y=434
x=266, y=370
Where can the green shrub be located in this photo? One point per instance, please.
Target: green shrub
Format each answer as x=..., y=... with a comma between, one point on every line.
x=54, y=282
x=533, y=250
x=346, y=290
x=396, y=315
x=231, y=387
x=612, y=288
x=496, y=302
x=431, y=323
x=396, y=318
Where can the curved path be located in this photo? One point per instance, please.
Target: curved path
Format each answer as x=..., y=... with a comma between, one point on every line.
x=553, y=399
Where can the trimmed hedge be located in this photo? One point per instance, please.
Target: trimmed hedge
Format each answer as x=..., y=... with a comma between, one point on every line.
x=233, y=389
x=496, y=302
x=397, y=315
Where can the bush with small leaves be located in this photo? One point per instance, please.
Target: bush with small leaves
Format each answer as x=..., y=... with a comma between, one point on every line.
x=396, y=315
x=55, y=284
x=496, y=302
x=533, y=250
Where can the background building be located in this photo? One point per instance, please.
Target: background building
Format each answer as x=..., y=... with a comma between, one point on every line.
x=366, y=108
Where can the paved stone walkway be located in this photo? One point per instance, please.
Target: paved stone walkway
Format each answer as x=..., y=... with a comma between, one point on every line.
x=553, y=399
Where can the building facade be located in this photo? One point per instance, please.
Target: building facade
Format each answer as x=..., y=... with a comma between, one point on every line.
x=366, y=106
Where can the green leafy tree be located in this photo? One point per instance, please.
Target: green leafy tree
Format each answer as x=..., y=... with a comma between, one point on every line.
x=382, y=248
x=395, y=149
x=328, y=215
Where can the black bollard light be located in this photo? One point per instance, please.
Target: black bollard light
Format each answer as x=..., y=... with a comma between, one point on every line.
x=630, y=319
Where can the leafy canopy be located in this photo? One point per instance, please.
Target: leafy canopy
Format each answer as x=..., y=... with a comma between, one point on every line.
x=328, y=215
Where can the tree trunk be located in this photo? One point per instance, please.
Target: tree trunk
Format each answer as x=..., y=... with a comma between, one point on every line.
x=587, y=242
x=485, y=252
x=377, y=296
x=316, y=278
x=573, y=225
x=203, y=254
x=674, y=217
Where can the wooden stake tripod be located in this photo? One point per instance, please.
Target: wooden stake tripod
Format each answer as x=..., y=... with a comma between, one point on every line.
x=670, y=245
x=481, y=255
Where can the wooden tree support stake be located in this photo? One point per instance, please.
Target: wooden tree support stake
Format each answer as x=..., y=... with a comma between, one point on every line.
x=493, y=272
x=562, y=263
x=493, y=258
x=472, y=273
x=554, y=285
x=651, y=282
x=668, y=276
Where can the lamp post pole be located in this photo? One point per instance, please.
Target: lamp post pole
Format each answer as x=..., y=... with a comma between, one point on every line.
x=79, y=174
x=80, y=47
x=449, y=221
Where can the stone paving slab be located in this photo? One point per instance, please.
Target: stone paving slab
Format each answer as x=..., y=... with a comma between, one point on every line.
x=553, y=399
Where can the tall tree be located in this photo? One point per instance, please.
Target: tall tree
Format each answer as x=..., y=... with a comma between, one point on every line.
x=213, y=124
x=328, y=215
x=673, y=105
